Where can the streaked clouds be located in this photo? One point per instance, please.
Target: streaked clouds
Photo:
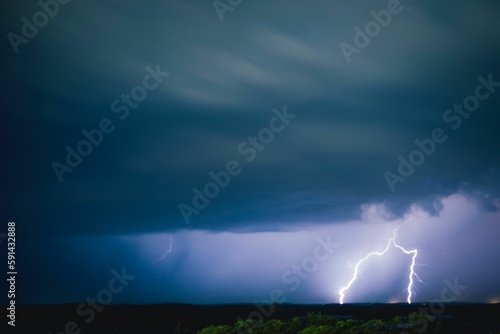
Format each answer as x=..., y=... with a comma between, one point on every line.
x=324, y=174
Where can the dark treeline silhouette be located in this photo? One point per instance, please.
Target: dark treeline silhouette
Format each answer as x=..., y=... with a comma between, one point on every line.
x=185, y=318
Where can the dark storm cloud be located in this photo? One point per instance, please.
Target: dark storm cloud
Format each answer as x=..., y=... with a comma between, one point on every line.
x=322, y=175
x=353, y=120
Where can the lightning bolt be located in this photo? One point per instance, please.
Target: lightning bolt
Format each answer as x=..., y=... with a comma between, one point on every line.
x=391, y=242
x=168, y=251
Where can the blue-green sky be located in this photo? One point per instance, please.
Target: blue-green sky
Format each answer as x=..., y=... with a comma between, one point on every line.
x=324, y=173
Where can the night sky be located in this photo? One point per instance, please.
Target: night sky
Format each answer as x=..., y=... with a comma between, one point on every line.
x=222, y=154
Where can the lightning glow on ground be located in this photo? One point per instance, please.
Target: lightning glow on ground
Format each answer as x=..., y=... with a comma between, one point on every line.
x=392, y=241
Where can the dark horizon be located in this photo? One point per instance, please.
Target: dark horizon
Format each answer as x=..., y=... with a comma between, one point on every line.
x=468, y=318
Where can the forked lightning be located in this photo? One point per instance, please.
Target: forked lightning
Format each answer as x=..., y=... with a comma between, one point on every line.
x=391, y=242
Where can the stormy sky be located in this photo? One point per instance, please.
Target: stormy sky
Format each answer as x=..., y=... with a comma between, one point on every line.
x=220, y=153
